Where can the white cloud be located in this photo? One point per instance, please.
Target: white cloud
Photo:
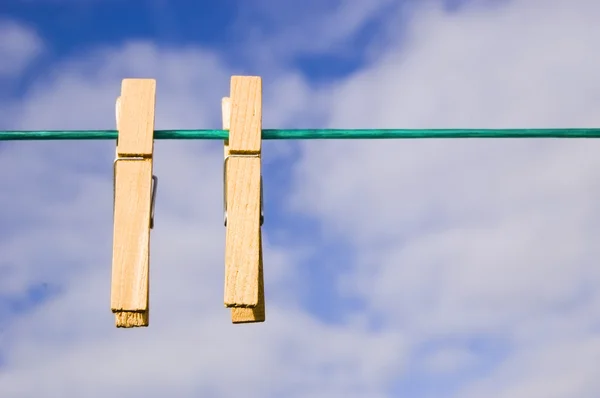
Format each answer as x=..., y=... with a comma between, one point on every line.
x=277, y=33
x=493, y=237
x=448, y=360
x=58, y=206
x=19, y=45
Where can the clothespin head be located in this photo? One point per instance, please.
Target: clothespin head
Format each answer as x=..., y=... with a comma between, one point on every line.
x=243, y=193
x=134, y=196
x=240, y=314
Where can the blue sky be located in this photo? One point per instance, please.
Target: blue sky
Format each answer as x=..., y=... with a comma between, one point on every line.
x=400, y=268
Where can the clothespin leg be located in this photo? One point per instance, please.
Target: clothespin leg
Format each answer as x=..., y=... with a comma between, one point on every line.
x=239, y=314
x=134, y=192
x=256, y=314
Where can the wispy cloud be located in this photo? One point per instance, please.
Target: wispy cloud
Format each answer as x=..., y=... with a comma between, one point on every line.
x=60, y=207
x=19, y=45
x=472, y=238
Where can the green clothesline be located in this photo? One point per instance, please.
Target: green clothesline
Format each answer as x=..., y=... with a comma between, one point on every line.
x=312, y=134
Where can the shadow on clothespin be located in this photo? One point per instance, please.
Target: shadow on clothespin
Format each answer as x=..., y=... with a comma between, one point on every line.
x=243, y=200
x=134, y=197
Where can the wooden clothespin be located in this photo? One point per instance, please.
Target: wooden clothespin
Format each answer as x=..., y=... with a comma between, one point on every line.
x=243, y=199
x=134, y=195
x=241, y=314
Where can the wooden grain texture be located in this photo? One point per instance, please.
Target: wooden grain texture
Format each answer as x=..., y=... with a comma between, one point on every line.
x=128, y=319
x=246, y=114
x=136, y=121
x=242, y=232
x=131, y=238
x=256, y=314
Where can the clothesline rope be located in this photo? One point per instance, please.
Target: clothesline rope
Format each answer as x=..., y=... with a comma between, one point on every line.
x=304, y=134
